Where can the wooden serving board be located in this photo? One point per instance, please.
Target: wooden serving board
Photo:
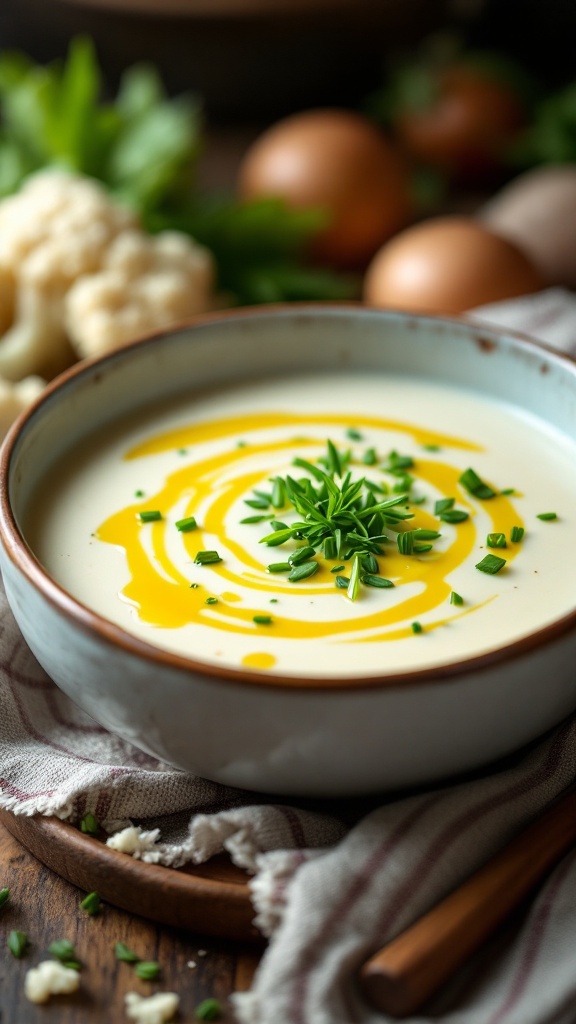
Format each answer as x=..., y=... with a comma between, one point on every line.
x=212, y=898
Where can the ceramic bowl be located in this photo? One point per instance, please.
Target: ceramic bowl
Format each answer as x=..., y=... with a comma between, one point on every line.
x=247, y=728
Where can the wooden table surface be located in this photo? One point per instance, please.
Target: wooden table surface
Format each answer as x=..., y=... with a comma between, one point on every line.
x=47, y=908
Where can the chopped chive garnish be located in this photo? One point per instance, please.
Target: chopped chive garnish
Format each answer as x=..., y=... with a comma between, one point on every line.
x=149, y=515
x=491, y=564
x=443, y=505
x=456, y=598
x=472, y=482
x=301, y=555
x=375, y=581
x=508, y=490
x=209, y=1009
x=262, y=620
x=194, y=586
x=122, y=952
x=370, y=564
x=417, y=627
x=4, y=896
x=182, y=451
x=431, y=447
x=454, y=515
x=370, y=458
x=138, y=494
x=89, y=825
x=257, y=502
x=184, y=525
x=211, y=600
x=354, y=585
x=496, y=540
x=278, y=493
x=273, y=600
x=342, y=582
x=73, y=965
x=302, y=572
x=338, y=568
x=398, y=463
x=92, y=904
x=353, y=434
x=516, y=534
x=148, y=970
x=17, y=943
x=330, y=548
x=63, y=950
x=417, y=499
x=207, y=558
x=254, y=519
x=240, y=444
x=547, y=516
x=279, y=567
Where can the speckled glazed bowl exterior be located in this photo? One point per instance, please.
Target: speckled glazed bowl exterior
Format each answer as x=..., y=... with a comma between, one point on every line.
x=248, y=729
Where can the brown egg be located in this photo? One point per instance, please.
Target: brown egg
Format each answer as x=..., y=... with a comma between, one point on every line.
x=337, y=161
x=448, y=265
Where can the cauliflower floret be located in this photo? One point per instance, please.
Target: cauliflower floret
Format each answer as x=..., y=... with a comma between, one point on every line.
x=53, y=231
x=154, y=1009
x=50, y=978
x=133, y=840
x=145, y=284
x=14, y=398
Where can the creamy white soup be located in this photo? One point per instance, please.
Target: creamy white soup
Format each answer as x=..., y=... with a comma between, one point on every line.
x=342, y=524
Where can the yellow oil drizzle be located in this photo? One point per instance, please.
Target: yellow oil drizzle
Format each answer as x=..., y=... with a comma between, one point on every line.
x=165, y=597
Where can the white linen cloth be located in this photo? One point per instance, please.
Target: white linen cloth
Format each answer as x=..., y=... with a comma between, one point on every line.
x=332, y=882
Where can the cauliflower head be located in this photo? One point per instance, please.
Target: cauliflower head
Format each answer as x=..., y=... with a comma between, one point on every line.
x=145, y=284
x=56, y=229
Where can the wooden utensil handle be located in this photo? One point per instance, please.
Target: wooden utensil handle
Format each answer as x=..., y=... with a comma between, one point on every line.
x=405, y=973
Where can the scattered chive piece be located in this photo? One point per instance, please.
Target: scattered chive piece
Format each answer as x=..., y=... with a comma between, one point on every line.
x=301, y=555
x=342, y=582
x=369, y=458
x=148, y=970
x=454, y=515
x=472, y=482
x=431, y=447
x=209, y=1009
x=138, y=494
x=92, y=904
x=508, y=490
x=443, y=505
x=4, y=896
x=353, y=434
x=456, y=598
x=418, y=500
x=207, y=558
x=279, y=567
x=516, y=534
x=370, y=564
x=17, y=943
x=193, y=586
x=182, y=451
x=330, y=550
x=338, y=568
x=496, y=540
x=491, y=564
x=257, y=502
x=375, y=581
x=73, y=965
x=254, y=519
x=240, y=444
x=416, y=627
x=262, y=620
x=89, y=824
x=184, y=525
x=278, y=493
x=302, y=572
x=62, y=950
x=273, y=600
x=354, y=585
x=211, y=600
x=398, y=463
x=546, y=516
x=150, y=515
x=122, y=952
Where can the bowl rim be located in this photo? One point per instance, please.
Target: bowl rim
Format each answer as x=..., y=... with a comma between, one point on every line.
x=76, y=612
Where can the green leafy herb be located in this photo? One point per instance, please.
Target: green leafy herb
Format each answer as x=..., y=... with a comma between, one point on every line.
x=279, y=567
x=417, y=627
x=491, y=564
x=92, y=904
x=211, y=600
x=138, y=494
x=443, y=505
x=338, y=568
x=508, y=490
x=255, y=519
x=257, y=502
x=63, y=950
x=496, y=540
x=431, y=447
x=370, y=458
x=209, y=1009
x=516, y=534
x=472, y=482
x=148, y=970
x=342, y=582
x=410, y=541
x=186, y=524
x=4, y=897
x=90, y=824
x=454, y=515
x=398, y=463
x=456, y=598
x=375, y=581
x=262, y=620
x=547, y=516
x=150, y=516
x=301, y=555
x=303, y=572
x=278, y=493
x=353, y=434
x=354, y=585
x=17, y=943
x=122, y=952
x=207, y=558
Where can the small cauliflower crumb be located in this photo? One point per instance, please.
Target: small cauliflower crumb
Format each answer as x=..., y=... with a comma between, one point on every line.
x=145, y=284
x=156, y=1009
x=133, y=840
x=191, y=964
x=50, y=978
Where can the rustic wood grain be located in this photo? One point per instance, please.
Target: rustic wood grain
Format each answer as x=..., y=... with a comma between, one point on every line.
x=47, y=908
